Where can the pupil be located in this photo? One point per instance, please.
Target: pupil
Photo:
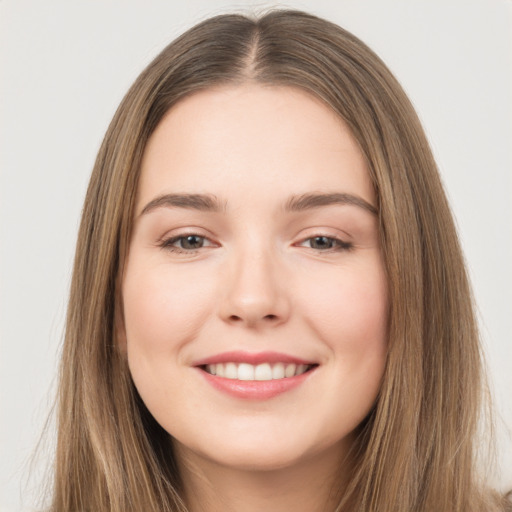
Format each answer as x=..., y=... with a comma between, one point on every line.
x=322, y=242
x=192, y=242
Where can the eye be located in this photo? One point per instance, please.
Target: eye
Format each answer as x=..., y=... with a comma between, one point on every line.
x=326, y=243
x=186, y=243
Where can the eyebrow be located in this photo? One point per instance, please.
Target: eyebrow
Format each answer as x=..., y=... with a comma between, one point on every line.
x=297, y=203
x=315, y=200
x=202, y=202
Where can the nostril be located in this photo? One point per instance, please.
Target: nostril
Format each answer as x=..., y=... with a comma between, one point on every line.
x=236, y=318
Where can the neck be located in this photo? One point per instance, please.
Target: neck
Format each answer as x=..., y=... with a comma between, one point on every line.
x=313, y=485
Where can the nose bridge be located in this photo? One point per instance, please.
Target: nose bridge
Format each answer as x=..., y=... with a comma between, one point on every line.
x=254, y=292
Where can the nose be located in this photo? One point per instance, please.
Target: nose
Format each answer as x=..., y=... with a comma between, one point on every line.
x=253, y=292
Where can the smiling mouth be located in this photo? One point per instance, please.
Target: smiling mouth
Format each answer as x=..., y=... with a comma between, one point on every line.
x=259, y=372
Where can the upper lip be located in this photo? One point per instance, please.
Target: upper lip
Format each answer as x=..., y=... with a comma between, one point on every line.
x=253, y=358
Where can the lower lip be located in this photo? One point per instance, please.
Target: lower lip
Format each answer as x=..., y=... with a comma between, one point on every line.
x=255, y=389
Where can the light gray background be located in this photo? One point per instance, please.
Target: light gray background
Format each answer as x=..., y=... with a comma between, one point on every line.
x=64, y=68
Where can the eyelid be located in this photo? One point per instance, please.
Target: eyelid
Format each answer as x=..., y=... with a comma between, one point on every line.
x=339, y=244
x=166, y=242
x=343, y=241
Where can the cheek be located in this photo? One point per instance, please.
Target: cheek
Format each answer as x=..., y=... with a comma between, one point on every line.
x=350, y=315
x=163, y=308
x=351, y=306
x=353, y=322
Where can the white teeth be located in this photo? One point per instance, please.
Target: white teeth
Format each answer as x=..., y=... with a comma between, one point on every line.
x=300, y=369
x=278, y=371
x=245, y=371
x=231, y=371
x=289, y=371
x=219, y=370
x=261, y=372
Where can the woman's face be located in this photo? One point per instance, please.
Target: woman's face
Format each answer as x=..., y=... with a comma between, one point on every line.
x=254, y=297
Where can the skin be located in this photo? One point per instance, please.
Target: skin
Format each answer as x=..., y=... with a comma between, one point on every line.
x=261, y=281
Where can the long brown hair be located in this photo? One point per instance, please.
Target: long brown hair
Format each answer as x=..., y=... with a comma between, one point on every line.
x=416, y=450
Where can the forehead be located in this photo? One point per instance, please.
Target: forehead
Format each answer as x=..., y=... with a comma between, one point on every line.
x=252, y=139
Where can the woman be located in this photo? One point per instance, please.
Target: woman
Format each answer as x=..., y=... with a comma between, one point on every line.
x=269, y=307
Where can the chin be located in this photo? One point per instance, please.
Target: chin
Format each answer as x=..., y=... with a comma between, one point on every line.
x=260, y=453
x=252, y=459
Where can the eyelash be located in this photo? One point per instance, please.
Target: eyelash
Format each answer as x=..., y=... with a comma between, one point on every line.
x=337, y=245
x=168, y=244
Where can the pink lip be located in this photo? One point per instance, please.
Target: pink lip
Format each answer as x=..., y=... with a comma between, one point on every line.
x=251, y=358
x=254, y=389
